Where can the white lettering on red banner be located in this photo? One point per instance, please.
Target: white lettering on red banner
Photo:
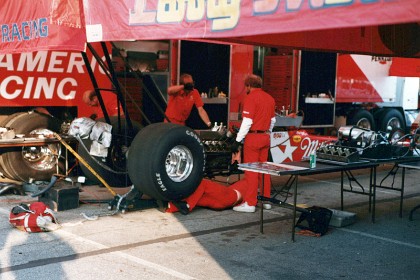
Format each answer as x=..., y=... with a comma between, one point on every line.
x=13, y=87
x=25, y=31
x=43, y=76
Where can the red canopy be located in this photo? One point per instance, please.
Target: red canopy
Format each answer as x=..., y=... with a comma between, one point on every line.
x=41, y=25
x=350, y=25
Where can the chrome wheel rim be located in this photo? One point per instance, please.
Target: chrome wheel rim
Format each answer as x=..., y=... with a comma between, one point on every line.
x=179, y=163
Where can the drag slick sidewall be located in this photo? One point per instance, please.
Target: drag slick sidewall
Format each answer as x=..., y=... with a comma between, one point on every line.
x=147, y=158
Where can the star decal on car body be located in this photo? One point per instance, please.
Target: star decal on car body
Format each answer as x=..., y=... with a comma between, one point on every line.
x=283, y=151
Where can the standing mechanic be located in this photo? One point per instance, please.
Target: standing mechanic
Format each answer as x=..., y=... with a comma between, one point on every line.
x=257, y=123
x=181, y=100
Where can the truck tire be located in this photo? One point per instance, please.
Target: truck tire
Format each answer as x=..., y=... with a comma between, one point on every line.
x=113, y=168
x=396, y=135
x=25, y=163
x=363, y=119
x=391, y=118
x=166, y=161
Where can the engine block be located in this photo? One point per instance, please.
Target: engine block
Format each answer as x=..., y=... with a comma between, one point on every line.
x=217, y=145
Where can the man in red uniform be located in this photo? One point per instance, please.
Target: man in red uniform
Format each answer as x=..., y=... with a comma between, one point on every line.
x=110, y=102
x=257, y=123
x=209, y=194
x=181, y=100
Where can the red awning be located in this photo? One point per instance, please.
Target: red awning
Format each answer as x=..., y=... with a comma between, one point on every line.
x=41, y=25
x=312, y=24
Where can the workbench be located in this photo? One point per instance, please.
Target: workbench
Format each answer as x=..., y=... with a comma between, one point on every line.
x=296, y=169
x=33, y=141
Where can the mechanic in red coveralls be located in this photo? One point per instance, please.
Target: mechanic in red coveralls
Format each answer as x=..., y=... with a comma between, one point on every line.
x=110, y=101
x=181, y=100
x=257, y=123
x=209, y=194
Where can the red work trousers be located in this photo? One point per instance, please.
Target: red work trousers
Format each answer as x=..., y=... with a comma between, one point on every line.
x=212, y=195
x=256, y=148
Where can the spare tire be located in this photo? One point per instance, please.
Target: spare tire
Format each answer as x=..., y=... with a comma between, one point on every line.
x=37, y=162
x=113, y=168
x=166, y=161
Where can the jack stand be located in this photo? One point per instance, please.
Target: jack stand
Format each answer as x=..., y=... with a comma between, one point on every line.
x=131, y=201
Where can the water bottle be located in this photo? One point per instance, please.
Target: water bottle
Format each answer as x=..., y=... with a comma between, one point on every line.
x=312, y=160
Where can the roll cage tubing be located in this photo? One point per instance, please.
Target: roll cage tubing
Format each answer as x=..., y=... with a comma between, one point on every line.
x=117, y=87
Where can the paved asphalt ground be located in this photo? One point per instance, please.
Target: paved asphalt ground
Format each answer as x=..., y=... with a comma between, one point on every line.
x=207, y=244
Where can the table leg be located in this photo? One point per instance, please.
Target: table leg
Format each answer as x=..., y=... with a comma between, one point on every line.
x=374, y=193
x=402, y=191
x=342, y=190
x=370, y=189
x=294, y=209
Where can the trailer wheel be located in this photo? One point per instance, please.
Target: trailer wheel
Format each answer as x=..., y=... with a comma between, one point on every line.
x=166, y=161
x=396, y=135
x=391, y=118
x=113, y=168
x=36, y=162
x=363, y=119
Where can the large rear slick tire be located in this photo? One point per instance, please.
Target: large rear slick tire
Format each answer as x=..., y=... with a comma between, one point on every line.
x=166, y=161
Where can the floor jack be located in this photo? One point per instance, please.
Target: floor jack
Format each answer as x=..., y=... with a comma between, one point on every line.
x=132, y=200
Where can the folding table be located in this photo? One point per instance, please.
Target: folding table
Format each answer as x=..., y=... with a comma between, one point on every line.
x=302, y=169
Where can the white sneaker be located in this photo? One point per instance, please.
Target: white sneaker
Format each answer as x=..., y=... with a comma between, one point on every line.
x=267, y=206
x=244, y=207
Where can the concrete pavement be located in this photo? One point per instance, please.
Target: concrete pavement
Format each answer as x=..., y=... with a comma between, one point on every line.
x=207, y=244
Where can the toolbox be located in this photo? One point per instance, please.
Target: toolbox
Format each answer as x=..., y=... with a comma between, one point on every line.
x=62, y=196
x=342, y=218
